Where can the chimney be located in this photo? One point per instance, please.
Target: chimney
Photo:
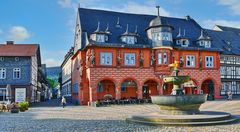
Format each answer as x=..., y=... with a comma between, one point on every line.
x=10, y=42
x=187, y=17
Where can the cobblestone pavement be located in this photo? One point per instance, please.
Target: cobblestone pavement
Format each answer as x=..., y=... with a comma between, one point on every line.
x=104, y=119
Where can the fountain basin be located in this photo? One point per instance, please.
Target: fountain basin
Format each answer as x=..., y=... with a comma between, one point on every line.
x=179, y=105
x=176, y=79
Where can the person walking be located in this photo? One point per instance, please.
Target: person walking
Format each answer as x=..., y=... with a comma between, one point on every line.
x=63, y=101
x=229, y=95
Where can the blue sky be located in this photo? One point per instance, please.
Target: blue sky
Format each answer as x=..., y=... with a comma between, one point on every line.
x=50, y=23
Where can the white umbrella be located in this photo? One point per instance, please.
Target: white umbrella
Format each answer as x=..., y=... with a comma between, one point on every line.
x=8, y=92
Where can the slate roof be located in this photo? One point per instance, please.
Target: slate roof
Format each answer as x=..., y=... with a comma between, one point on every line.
x=228, y=41
x=18, y=49
x=89, y=19
x=231, y=29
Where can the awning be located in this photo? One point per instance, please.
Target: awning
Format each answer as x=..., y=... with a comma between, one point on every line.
x=189, y=84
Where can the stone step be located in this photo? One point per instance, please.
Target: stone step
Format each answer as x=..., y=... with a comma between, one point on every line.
x=182, y=123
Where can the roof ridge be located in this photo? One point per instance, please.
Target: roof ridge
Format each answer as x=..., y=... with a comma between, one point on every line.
x=128, y=13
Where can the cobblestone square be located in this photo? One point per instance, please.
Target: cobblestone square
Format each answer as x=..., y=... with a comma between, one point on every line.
x=104, y=119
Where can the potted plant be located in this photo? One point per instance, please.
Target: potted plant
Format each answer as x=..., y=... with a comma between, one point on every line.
x=14, y=108
x=23, y=106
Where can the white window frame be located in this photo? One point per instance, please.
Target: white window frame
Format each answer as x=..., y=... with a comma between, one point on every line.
x=5, y=89
x=106, y=58
x=192, y=61
x=130, y=40
x=165, y=58
x=15, y=70
x=3, y=73
x=201, y=43
x=207, y=44
x=185, y=43
x=130, y=59
x=208, y=63
x=178, y=42
x=100, y=38
x=159, y=58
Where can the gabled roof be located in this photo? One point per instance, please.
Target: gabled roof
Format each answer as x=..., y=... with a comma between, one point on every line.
x=89, y=19
x=228, y=41
x=231, y=29
x=18, y=49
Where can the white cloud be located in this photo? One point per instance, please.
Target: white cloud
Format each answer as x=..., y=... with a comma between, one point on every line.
x=130, y=7
x=210, y=23
x=19, y=33
x=50, y=62
x=148, y=8
x=52, y=57
x=234, y=5
x=65, y=3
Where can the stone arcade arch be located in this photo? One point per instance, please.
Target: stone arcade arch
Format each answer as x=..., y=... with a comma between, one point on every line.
x=149, y=89
x=208, y=88
x=105, y=89
x=129, y=89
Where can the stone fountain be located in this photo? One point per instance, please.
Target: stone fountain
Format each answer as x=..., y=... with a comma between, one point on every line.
x=180, y=109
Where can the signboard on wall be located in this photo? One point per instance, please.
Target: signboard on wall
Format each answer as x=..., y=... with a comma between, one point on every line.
x=20, y=94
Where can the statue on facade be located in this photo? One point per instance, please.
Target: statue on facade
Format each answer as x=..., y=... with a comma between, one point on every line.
x=200, y=62
x=141, y=59
x=92, y=58
x=152, y=59
x=181, y=63
x=119, y=59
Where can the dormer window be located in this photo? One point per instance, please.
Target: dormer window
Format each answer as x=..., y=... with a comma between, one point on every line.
x=204, y=41
x=100, y=37
x=178, y=42
x=181, y=39
x=201, y=43
x=208, y=44
x=185, y=43
x=129, y=39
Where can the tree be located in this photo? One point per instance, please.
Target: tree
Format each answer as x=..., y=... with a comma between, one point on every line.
x=52, y=82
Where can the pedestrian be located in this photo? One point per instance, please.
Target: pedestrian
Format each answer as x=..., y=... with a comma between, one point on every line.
x=63, y=102
x=229, y=93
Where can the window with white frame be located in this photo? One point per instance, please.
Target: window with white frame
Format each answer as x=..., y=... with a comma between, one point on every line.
x=238, y=72
x=1, y=58
x=129, y=39
x=164, y=58
x=207, y=44
x=3, y=92
x=159, y=58
x=223, y=70
x=157, y=36
x=201, y=43
x=106, y=58
x=209, y=61
x=100, y=37
x=129, y=58
x=2, y=73
x=16, y=73
x=238, y=87
x=190, y=61
x=185, y=43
